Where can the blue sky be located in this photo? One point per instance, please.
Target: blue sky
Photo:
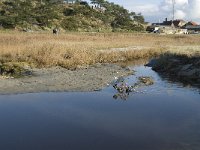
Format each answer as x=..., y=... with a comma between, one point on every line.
x=158, y=10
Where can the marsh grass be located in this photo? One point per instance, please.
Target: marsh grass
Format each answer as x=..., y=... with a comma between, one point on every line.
x=72, y=49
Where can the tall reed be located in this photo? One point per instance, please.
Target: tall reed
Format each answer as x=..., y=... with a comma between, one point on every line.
x=72, y=49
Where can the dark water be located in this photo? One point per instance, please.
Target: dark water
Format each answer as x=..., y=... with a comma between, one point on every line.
x=165, y=116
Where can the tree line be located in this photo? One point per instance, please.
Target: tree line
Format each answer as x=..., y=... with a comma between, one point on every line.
x=72, y=15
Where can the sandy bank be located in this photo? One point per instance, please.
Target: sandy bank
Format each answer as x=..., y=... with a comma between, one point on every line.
x=58, y=79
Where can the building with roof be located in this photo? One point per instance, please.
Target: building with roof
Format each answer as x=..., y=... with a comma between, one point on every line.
x=192, y=29
x=177, y=26
x=178, y=23
x=192, y=23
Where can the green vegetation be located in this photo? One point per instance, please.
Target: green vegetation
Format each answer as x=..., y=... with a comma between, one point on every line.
x=77, y=16
x=14, y=69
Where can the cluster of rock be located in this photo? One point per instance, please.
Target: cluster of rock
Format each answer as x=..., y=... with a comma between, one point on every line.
x=145, y=81
x=124, y=89
x=183, y=67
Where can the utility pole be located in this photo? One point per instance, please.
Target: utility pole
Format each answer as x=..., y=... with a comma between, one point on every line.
x=173, y=11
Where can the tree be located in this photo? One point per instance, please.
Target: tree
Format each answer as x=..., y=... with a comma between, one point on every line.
x=138, y=17
x=47, y=12
x=79, y=15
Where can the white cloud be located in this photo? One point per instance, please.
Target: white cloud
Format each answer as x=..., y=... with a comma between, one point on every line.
x=180, y=14
x=194, y=9
x=180, y=6
x=177, y=2
x=184, y=9
x=149, y=9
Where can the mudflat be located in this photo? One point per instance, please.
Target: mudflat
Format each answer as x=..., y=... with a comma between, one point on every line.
x=58, y=79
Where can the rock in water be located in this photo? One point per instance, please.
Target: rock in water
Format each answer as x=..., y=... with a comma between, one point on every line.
x=146, y=80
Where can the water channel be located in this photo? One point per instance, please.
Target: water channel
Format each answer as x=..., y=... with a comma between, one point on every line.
x=163, y=116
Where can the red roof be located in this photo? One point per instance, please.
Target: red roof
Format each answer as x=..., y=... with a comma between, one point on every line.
x=192, y=23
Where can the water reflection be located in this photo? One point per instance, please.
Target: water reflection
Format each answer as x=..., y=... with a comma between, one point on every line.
x=182, y=82
x=170, y=78
x=121, y=96
x=166, y=117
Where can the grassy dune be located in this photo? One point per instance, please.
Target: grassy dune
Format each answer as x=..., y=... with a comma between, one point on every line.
x=72, y=49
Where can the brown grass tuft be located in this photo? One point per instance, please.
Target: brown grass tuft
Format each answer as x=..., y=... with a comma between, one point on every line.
x=72, y=49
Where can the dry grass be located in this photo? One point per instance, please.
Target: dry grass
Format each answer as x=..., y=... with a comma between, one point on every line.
x=72, y=49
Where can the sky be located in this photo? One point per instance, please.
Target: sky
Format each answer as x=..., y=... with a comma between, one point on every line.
x=158, y=10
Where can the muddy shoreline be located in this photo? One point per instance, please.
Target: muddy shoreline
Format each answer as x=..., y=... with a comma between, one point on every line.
x=58, y=79
x=178, y=67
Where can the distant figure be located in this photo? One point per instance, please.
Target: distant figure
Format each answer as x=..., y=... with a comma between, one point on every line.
x=55, y=31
